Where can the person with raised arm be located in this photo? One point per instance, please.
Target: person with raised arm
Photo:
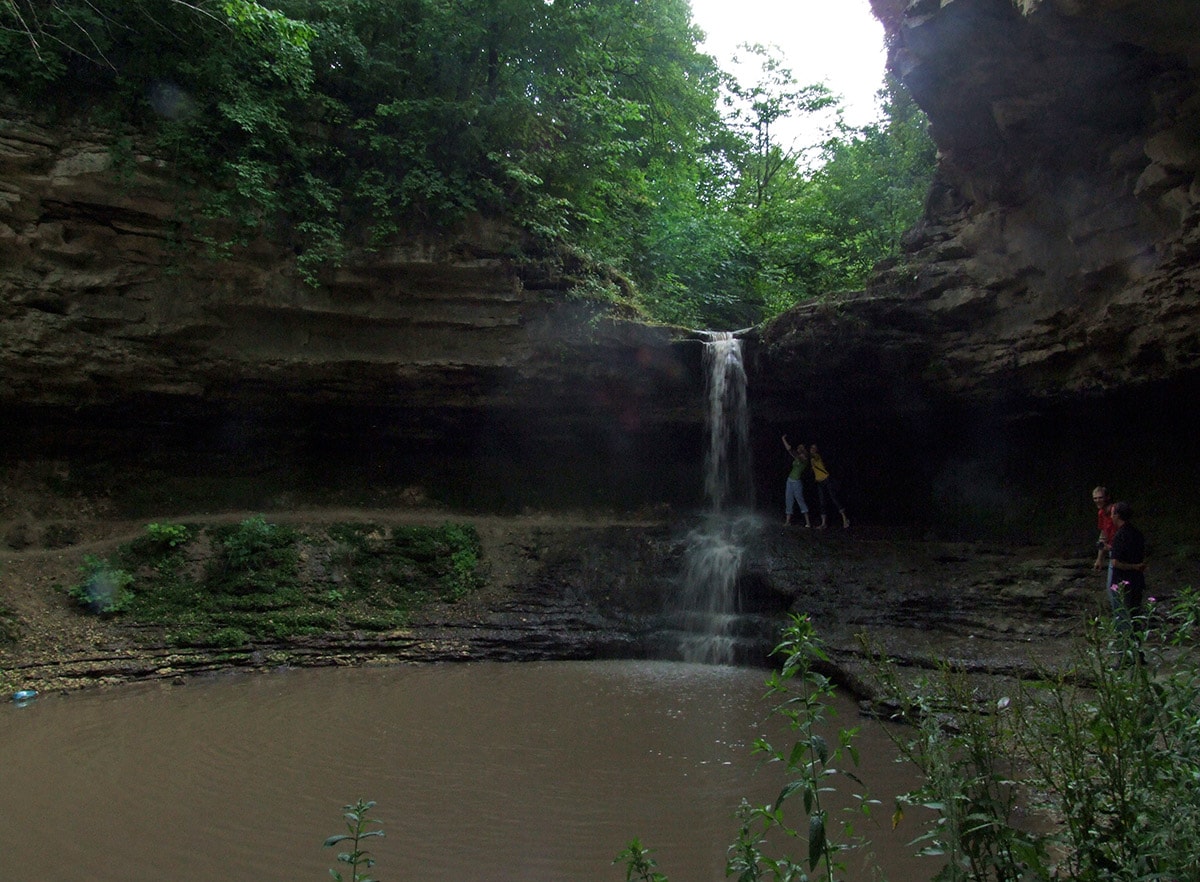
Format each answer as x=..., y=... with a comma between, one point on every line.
x=794, y=489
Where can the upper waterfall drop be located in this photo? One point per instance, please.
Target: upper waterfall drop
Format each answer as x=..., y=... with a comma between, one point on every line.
x=727, y=468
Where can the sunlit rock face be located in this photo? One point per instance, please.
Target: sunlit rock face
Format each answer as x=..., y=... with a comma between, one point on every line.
x=1060, y=252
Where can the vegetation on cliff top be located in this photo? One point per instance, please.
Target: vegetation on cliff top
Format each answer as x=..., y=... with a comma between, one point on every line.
x=598, y=127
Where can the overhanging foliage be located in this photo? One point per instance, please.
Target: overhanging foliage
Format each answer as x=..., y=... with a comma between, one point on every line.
x=598, y=126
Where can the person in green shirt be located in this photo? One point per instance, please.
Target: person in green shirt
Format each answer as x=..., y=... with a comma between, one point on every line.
x=794, y=491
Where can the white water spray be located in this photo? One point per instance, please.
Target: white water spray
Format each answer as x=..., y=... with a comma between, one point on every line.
x=727, y=456
x=715, y=549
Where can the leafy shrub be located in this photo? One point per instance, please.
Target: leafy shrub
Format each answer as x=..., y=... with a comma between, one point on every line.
x=168, y=535
x=255, y=557
x=449, y=554
x=412, y=565
x=105, y=589
x=462, y=577
x=1109, y=749
x=1119, y=757
x=230, y=638
x=253, y=586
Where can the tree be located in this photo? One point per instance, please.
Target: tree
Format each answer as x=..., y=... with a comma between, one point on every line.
x=869, y=190
x=596, y=125
x=756, y=111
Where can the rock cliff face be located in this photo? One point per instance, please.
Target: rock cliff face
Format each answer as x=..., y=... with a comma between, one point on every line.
x=104, y=299
x=1050, y=295
x=118, y=331
x=1060, y=249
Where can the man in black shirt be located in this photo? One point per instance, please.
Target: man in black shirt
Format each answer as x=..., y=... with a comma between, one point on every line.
x=1128, y=555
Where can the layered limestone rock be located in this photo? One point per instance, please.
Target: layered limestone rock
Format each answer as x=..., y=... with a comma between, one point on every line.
x=121, y=331
x=1060, y=250
x=105, y=300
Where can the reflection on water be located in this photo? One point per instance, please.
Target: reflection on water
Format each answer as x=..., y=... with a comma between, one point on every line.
x=530, y=772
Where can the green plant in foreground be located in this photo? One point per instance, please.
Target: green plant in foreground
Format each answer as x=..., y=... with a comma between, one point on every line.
x=1109, y=750
x=961, y=739
x=639, y=865
x=810, y=765
x=356, y=831
x=1116, y=746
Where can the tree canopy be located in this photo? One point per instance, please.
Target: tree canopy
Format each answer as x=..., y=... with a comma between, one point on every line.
x=596, y=125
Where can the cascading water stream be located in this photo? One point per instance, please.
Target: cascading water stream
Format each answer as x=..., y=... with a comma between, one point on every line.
x=715, y=549
x=727, y=455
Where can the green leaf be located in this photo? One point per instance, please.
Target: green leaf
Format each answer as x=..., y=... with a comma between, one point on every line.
x=788, y=790
x=816, y=840
x=820, y=747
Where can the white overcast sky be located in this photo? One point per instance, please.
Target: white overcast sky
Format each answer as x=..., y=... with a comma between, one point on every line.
x=837, y=42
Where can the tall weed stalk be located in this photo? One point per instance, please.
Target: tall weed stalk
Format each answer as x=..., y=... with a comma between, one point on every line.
x=357, y=857
x=1092, y=774
x=811, y=766
x=960, y=738
x=1115, y=745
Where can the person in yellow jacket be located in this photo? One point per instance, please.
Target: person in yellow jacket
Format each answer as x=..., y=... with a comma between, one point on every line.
x=826, y=489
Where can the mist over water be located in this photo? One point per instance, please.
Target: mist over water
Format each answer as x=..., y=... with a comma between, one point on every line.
x=716, y=549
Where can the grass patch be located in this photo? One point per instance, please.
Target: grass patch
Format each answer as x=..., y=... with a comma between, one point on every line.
x=236, y=584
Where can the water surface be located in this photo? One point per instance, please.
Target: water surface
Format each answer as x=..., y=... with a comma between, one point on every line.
x=536, y=772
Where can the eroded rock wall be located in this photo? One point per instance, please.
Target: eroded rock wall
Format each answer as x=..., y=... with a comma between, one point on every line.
x=1047, y=302
x=107, y=297
x=1059, y=254
x=1061, y=245
x=121, y=330
x=1040, y=331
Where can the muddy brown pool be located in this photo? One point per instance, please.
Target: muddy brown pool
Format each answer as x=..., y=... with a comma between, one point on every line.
x=538, y=772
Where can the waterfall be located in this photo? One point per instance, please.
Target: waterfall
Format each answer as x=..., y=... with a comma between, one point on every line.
x=716, y=548
x=727, y=455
